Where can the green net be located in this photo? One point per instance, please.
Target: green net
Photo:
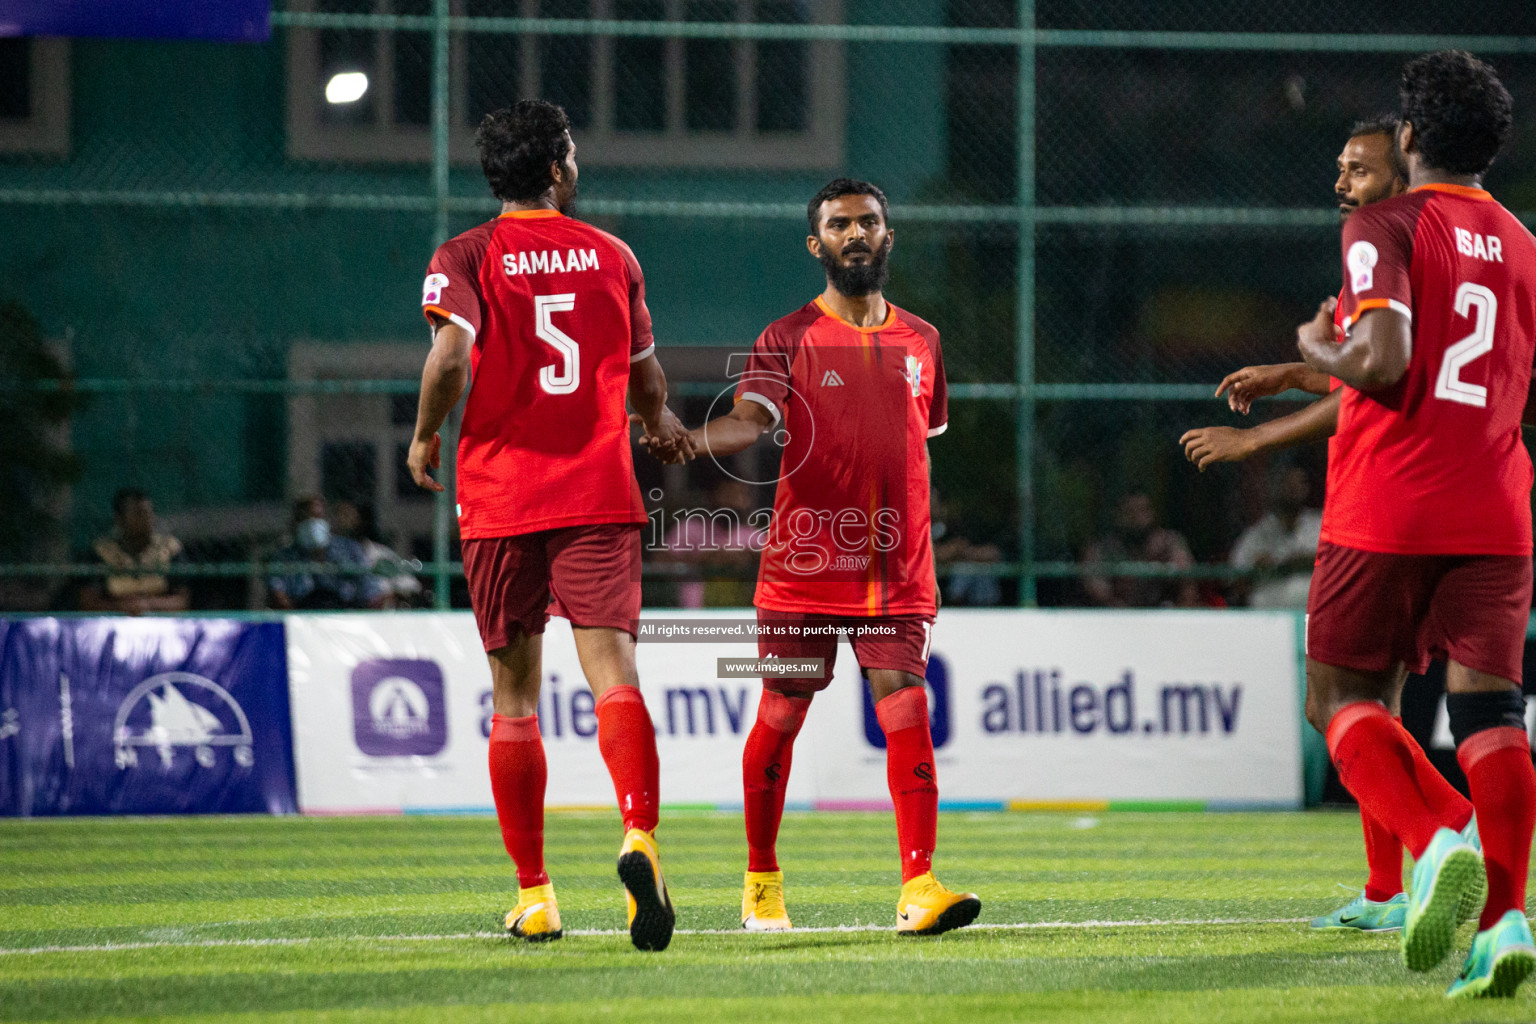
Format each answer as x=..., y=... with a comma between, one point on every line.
x=225, y=251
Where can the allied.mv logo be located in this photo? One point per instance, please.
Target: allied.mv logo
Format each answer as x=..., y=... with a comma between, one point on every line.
x=398, y=707
x=176, y=710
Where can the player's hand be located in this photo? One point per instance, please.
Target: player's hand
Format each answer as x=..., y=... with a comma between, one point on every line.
x=1207, y=446
x=1251, y=382
x=1312, y=336
x=424, y=456
x=667, y=439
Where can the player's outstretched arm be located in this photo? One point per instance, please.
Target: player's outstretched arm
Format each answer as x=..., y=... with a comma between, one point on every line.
x=726, y=435
x=1206, y=446
x=1243, y=386
x=1373, y=356
x=665, y=436
x=443, y=380
x=736, y=431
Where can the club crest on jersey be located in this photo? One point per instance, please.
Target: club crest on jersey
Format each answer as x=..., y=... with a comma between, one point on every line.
x=915, y=376
x=432, y=289
x=1362, y=262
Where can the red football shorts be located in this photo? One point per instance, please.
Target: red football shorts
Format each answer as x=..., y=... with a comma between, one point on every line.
x=588, y=574
x=897, y=642
x=1369, y=610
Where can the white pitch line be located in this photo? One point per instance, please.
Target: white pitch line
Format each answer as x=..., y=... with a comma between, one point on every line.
x=117, y=947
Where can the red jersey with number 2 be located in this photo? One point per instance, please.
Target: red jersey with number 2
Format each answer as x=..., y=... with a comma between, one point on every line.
x=557, y=309
x=1435, y=464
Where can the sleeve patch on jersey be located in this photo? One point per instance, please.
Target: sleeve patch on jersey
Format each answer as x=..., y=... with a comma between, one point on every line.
x=453, y=318
x=432, y=289
x=1361, y=259
x=765, y=402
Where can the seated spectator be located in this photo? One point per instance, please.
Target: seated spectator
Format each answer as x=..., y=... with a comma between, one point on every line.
x=1283, y=545
x=139, y=562
x=401, y=588
x=1136, y=537
x=314, y=542
x=964, y=586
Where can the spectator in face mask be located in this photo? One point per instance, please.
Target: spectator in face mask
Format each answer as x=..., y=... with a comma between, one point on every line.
x=314, y=542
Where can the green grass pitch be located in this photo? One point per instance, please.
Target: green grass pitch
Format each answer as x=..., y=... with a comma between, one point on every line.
x=1200, y=918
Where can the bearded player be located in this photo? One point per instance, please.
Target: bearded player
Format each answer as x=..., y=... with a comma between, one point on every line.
x=1426, y=538
x=1370, y=169
x=852, y=387
x=549, y=314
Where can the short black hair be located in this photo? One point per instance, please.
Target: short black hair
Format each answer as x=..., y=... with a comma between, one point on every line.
x=123, y=496
x=836, y=189
x=1384, y=124
x=517, y=145
x=301, y=507
x=1460, y=111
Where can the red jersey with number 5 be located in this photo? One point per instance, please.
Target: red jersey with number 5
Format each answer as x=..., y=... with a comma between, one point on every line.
x=1435, y=464
x=557, y=309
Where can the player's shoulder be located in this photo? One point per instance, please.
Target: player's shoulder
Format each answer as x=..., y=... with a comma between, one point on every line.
x=469, y=247
x=792, y=326
x=478, y=236
x=1398, y=212
x=1517, y=232
x=929, y=332
x=606, y=239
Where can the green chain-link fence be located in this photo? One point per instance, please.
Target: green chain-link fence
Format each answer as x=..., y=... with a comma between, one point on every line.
x=227, y=262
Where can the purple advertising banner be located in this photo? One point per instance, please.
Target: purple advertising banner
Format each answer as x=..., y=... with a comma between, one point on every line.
x=237, y=21
x=144, y=716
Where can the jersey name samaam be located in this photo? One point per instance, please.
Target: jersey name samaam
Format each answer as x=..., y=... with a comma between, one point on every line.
x=549, y=261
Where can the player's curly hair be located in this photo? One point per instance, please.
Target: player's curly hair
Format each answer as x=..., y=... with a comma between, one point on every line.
x=1460, y=111
x=836, y=189
x=517, y=145
x=1384, y=124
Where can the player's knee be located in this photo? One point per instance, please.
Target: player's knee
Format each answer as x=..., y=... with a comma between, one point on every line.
x=1317, y=717
x=1320, y=705
x=1472, y=713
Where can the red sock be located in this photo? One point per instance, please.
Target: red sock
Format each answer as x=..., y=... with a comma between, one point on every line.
x=518, y=774
x=1375, y=763
x=627, y=740
x=1498, y=766
x=1453, y=809
x=909, y=772
x=765, y=773
x=1384, y=856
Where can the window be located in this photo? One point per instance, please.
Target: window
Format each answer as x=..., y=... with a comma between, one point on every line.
x=34, y=96
x=633, y=100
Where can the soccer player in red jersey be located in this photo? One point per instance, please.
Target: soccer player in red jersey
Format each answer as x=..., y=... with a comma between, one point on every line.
x=549, y=316
x=1426, y=539
x=1370, y=169
x=852, y=387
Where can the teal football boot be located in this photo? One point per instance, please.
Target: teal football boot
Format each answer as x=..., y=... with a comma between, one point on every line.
x=1501, y=958
x=1442, y=875
x=1472, y=900
x=1363, y=915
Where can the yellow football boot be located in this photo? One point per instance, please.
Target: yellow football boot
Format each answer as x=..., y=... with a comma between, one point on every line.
x=762, y=902
x=927, y=908
x=651, y=917
x=536, y=918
